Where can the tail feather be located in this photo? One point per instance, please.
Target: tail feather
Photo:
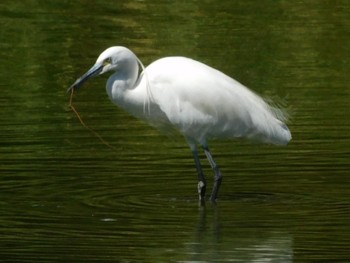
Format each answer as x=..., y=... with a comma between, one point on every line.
x=269, y=126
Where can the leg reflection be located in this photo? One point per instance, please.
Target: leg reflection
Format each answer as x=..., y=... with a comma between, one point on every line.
x=208, y=235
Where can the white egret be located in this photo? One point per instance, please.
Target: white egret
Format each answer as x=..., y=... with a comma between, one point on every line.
x=197, y=100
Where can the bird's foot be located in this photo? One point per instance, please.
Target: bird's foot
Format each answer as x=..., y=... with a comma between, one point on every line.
x=201, y=191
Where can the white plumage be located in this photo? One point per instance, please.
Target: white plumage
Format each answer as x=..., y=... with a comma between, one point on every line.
x=200, y=101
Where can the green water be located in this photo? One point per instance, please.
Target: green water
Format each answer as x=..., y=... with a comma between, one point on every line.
x=66, y=197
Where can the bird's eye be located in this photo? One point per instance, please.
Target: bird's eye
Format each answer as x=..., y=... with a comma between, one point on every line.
x=107, y=61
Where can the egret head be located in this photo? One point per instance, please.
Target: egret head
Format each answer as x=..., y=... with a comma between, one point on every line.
x=112, y=59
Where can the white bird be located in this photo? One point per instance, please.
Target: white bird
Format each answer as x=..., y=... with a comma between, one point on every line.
x=197, y=100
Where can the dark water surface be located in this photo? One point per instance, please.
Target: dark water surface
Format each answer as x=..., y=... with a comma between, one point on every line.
x=66, y=197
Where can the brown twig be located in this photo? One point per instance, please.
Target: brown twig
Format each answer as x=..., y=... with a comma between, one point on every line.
x=87, y=127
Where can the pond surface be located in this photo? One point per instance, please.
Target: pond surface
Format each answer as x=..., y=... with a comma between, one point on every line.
x=67, y=197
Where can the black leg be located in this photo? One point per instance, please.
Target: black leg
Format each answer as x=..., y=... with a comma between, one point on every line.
x=218, y=175
x=202, y=184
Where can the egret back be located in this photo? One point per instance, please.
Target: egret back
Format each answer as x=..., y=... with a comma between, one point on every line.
x=204, y=103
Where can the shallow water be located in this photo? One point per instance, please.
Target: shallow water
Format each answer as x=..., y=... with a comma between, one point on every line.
x=67, y=197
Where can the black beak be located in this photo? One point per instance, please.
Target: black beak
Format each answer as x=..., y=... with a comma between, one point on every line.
x=94, y=71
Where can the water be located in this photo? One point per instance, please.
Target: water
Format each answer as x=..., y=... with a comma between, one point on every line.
x=66, y=197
